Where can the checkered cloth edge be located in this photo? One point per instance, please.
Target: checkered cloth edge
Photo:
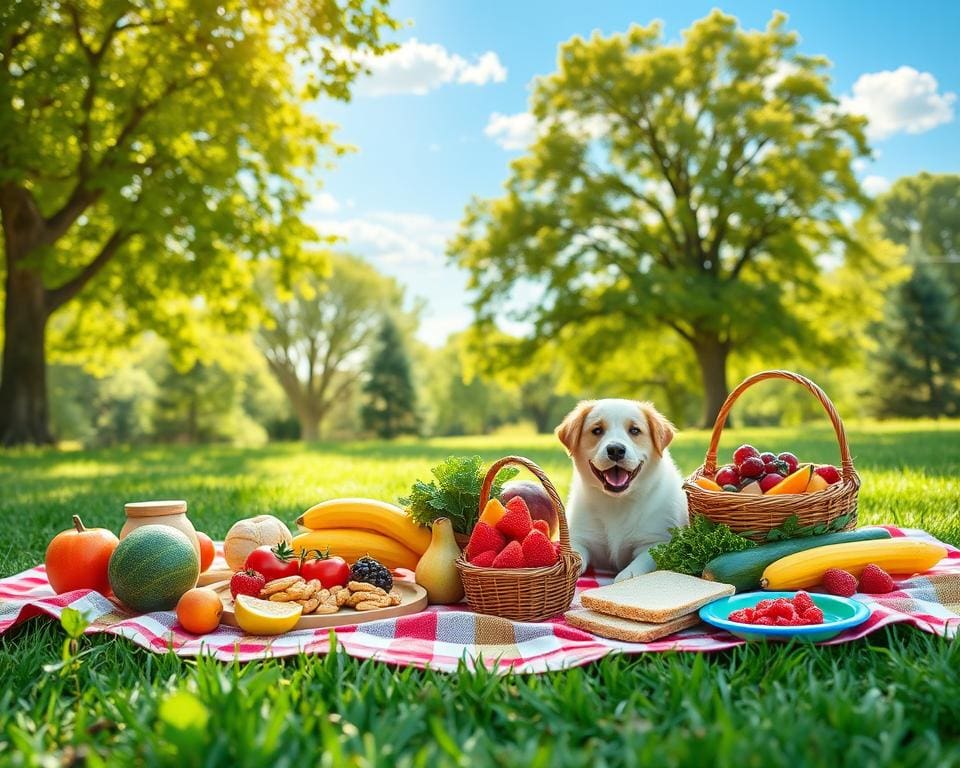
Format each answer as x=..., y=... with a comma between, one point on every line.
x=444, y=637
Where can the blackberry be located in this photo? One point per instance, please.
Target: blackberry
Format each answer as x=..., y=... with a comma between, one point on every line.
x=368, y=570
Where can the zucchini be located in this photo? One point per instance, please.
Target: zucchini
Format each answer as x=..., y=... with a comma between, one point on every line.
x=745, y=568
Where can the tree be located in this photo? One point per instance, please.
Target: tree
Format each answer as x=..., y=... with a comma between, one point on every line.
x=926, y=208
x=317, y=339
x=691, y=186
x=920, y=356
x=390, y=409
x=150, y=152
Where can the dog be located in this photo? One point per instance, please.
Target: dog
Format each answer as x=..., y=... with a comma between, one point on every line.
x=626, y=490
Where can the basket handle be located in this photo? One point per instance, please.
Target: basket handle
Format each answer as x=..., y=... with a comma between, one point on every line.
x=710, y=462
x=544, y=481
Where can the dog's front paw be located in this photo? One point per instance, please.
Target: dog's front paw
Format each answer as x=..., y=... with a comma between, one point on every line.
x=641, y=564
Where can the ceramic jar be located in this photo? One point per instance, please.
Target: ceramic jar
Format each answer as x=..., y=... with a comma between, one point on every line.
x=172, y=513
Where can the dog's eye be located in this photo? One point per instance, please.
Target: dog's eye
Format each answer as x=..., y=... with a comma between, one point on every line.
x=597, y=431
x=635, y=430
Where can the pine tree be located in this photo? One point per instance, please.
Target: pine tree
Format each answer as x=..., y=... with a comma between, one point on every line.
x=391, y=402
x=920, y=358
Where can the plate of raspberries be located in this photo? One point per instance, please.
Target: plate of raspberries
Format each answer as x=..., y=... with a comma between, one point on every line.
x=785, y=615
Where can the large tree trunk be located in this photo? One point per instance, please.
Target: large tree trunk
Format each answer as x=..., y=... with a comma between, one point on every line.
x=712, y=356
x=23, y=379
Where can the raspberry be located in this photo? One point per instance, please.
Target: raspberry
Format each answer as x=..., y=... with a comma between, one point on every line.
x=839, y=582
x=875, y=581
x=782, y=608
x=750, y=614
x=764, y=605
x=801, y=602
x=813, y=615
x=739, y=616
x=782, y=621
x=764, y=621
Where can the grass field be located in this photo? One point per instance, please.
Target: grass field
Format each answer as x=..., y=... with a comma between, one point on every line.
x=893, y=699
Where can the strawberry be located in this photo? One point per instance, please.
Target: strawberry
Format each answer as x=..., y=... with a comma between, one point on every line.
x=802, y=602
x=829, y=473
x=875, y=581
x=484, y=559
x=516, y=522
x=247, y=582
x=839, y=582
x=814, y=615
x=510, y=557
x=538, y=550
x=543, y=526
x=484, y=538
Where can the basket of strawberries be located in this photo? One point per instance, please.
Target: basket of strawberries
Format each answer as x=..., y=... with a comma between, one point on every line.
x=763, y=496
x=510, y=567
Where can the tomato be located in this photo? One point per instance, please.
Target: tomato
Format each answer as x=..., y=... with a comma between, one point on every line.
x=207, y=552
x=273, y=562
x=331, y=571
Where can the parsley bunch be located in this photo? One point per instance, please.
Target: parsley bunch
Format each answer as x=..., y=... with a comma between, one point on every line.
x=454, y=493
x=691, y=548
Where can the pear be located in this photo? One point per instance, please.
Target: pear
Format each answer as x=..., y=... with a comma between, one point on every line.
x=437, y=570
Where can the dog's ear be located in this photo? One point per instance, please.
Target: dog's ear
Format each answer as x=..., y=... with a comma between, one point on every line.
x=570, y=428
x=661, y=430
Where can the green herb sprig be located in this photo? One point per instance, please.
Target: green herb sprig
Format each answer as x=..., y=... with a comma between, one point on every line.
x=454, y=493
x=690, y=548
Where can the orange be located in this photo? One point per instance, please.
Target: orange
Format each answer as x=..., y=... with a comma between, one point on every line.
x=206, y=551
x=199, y=610
x=707, y=484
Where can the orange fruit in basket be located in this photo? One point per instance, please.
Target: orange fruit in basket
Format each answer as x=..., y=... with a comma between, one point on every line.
x=707, y=484
x=207, y=552
x=199, y=610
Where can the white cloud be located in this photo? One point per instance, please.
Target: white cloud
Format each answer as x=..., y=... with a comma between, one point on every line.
x=324, y=203
x=419, y=68
x=901, y=100
x=392, y=238
x=512, y=131
x=875, y=185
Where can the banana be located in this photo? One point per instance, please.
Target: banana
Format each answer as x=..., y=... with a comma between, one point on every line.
x=353, y=543
x=369, y=515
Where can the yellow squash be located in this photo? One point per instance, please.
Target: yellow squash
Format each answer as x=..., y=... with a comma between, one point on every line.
x=369, y=515
x=805, y=569
x=353, y=543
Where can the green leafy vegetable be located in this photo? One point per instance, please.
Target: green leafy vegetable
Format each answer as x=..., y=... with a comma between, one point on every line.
x=455, y=493
x=791, y=528
x=692, y=547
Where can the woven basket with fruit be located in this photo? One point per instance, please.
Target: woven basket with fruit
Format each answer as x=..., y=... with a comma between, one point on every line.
x=764, y=496
x=511, y=568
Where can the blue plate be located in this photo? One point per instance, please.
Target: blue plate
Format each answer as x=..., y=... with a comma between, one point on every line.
x=839, y=613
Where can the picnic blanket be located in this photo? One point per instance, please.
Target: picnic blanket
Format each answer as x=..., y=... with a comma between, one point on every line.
x=444, y=636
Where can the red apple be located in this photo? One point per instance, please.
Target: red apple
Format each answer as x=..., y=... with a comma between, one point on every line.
x=790, y=460
x=537, y=500
x=727, y=475
x=768, y=481
x=743, y=453
x=829, y=473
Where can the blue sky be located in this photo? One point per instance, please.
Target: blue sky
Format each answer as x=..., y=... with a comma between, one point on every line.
x=439, y=120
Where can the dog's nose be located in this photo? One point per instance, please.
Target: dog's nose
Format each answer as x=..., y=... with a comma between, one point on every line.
x=616, y=451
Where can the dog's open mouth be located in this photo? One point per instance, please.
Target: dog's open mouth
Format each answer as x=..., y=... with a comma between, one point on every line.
x=616, y=479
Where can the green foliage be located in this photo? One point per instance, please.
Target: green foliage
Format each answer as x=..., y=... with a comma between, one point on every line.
x=922, y=210
x=919, y=356
x=689, y=186
x=317, y=336
x=791, y=528
x=455, y=493
x=690, y=548
x=391, y=406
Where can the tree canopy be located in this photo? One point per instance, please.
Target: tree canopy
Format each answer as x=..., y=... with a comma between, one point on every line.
x=693, y=186
x=150, y=152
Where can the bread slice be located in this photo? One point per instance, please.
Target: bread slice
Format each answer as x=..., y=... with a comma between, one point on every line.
x=656, y=597
x=624, y=629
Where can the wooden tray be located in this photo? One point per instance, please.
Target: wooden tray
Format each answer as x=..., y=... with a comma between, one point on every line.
x=413, y=599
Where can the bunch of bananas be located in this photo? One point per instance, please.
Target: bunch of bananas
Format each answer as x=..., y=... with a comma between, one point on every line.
x=352, y=528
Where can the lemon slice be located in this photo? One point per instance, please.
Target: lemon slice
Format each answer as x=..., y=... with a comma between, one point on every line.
x=263, y=617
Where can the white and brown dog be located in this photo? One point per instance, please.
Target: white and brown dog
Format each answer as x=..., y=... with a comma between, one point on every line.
x=626, y=491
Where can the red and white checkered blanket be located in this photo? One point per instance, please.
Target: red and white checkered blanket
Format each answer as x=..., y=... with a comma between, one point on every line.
x=443, y=637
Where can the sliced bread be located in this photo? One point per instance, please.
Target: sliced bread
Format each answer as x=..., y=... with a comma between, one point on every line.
x=624, y=629
x=656, y=597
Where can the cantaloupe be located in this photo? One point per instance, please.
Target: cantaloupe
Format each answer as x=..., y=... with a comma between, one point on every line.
x=152, y=568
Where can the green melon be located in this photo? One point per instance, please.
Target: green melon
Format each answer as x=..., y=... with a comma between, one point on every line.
x=152, y=567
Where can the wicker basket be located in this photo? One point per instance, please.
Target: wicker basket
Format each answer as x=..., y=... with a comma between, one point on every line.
x=755, y=516
x=523, y=594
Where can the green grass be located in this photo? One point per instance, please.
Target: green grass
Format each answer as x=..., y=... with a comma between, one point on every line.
x=889, y=700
